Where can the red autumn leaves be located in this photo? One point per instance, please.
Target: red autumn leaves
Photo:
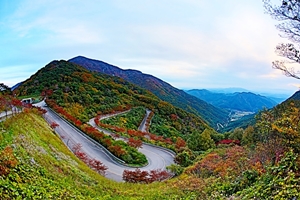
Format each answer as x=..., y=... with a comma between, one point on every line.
x=96, y=165
x=139, y=176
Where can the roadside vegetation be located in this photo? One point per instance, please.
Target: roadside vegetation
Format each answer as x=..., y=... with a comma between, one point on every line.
x=35, y=164
x=265, y=165
x=129, y=120
x=120, y=149
x=254, y=162
x=80, y=95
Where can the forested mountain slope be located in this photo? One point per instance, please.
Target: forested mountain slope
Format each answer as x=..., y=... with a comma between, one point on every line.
x=85, y=94
x=160, y=88
x=295, y=96
x=242, y=101
x=258, y=162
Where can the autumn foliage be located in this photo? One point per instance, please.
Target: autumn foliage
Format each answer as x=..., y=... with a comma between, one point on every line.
x=227, y=161
x=53, y=125
x=180, y=144
x=7, y=161
x=119, y=148
x=61, y=110
x=92, y=163
x=148, y=121
x=41, y=111
x=136, y=143
x=138, y=135
x=9, y=103
x=139, y=176
x=228, y=141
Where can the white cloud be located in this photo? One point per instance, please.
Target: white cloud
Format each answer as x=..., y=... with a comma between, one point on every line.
x=193, y=43
x=15, y=74
x=55, y=21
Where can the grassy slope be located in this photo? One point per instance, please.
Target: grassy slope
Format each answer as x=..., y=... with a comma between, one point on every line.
x=48, y=170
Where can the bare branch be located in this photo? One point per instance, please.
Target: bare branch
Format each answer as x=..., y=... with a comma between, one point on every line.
x=288, y=51
x=289, y=72
x=289, y=13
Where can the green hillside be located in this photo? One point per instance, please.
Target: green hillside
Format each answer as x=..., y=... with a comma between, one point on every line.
x=35, y=164
x=83, y=95
x=259, y=162
x=128, y=120
x=161, y=89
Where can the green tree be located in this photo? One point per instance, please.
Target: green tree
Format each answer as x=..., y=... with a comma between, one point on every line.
x=206, y=141
x=217, y=136
x=237, y=134
x=264, y=125
x=288, y=126
x=4, y=89
x=185, y=157
x=280, y=182
x=201, y=142
x=248, y=136
x=282, y=122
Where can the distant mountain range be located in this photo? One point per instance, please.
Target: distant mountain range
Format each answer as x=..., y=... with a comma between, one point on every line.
x=218, y=107
x=278, y=95
x=15, y=86
x=163, y=90
x=241, y=101
x=227, y=90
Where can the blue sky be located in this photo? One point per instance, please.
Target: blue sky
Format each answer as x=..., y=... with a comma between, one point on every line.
x=188, y=43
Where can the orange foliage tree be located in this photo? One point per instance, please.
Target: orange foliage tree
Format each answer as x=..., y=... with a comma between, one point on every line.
x=136, y=143
x=180, y=144
x=232, y=160
x=7, y=161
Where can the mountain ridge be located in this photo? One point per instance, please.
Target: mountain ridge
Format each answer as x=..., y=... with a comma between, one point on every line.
x=241, y=101
x=295, y=96
x=85, y=94
x=160, y=88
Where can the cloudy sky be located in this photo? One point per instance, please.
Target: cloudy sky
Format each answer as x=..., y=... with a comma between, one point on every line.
x=188, y=43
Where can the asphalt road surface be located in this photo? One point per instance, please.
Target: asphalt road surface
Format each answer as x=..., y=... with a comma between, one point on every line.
x=143, y=126
x=158, y=158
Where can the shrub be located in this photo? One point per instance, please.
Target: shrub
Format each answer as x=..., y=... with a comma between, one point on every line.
x=7, y=161
x=139, y=176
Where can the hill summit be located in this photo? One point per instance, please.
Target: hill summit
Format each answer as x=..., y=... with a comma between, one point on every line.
x=160, y=88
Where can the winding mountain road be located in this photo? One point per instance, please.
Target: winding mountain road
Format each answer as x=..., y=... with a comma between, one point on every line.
x=143, y=126
x=158, y=158
x=4, y=115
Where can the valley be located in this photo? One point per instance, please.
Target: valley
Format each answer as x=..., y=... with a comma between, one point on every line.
x=235, y=115
x=166, y=92
x=134, y=140
x=150, y=100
